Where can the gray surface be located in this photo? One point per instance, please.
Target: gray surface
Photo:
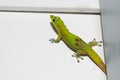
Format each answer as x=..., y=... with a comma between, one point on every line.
x=111, y=29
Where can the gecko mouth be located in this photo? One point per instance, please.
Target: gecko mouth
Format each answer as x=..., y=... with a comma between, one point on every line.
x=53, y=27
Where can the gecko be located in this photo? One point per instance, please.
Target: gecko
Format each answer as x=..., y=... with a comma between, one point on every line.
x=75, y=43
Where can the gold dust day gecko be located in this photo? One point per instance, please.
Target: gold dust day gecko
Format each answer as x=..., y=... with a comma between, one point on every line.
x=75, y=43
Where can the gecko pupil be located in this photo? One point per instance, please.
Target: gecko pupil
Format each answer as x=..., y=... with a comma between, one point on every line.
x=53, y=20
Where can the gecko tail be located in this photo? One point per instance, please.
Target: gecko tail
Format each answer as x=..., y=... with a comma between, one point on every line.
x=97, y=60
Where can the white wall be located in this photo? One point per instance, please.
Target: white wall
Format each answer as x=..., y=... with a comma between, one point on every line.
x=27, y=54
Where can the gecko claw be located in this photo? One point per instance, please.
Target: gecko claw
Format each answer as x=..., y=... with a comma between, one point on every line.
x=78, y=61
x=82, y=58
x=99, y=45
x=73, y=55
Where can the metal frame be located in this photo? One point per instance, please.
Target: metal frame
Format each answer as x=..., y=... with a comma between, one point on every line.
x=49, y=10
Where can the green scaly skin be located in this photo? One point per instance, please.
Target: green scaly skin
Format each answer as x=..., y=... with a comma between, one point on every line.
x=75, y=43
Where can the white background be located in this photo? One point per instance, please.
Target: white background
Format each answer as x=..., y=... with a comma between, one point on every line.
x=27, y=54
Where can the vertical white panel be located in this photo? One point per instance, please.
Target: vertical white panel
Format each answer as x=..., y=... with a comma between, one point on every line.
x=111, y=29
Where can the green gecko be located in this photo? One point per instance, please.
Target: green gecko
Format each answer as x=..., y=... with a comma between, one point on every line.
x=75, y=43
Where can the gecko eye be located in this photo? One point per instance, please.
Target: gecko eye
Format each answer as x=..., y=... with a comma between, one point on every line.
x=54, y=20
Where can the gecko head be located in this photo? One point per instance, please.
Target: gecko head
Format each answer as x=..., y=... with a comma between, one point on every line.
x=57, y=24
x=56, y=21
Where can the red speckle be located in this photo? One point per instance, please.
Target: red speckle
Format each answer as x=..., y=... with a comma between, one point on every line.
x=77, y=40
x=77, y=44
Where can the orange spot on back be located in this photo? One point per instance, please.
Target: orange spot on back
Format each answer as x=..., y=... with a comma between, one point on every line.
x=77, y=40
x=76, y=44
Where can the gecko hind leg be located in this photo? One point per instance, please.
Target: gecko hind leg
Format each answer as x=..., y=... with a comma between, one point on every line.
x=78, y=55
x=94, y=43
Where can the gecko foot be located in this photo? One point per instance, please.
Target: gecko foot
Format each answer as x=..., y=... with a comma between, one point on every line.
x=77, y=57
x=95, y=43
x=52, y=40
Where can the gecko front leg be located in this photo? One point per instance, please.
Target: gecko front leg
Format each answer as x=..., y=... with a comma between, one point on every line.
x=52, y=40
